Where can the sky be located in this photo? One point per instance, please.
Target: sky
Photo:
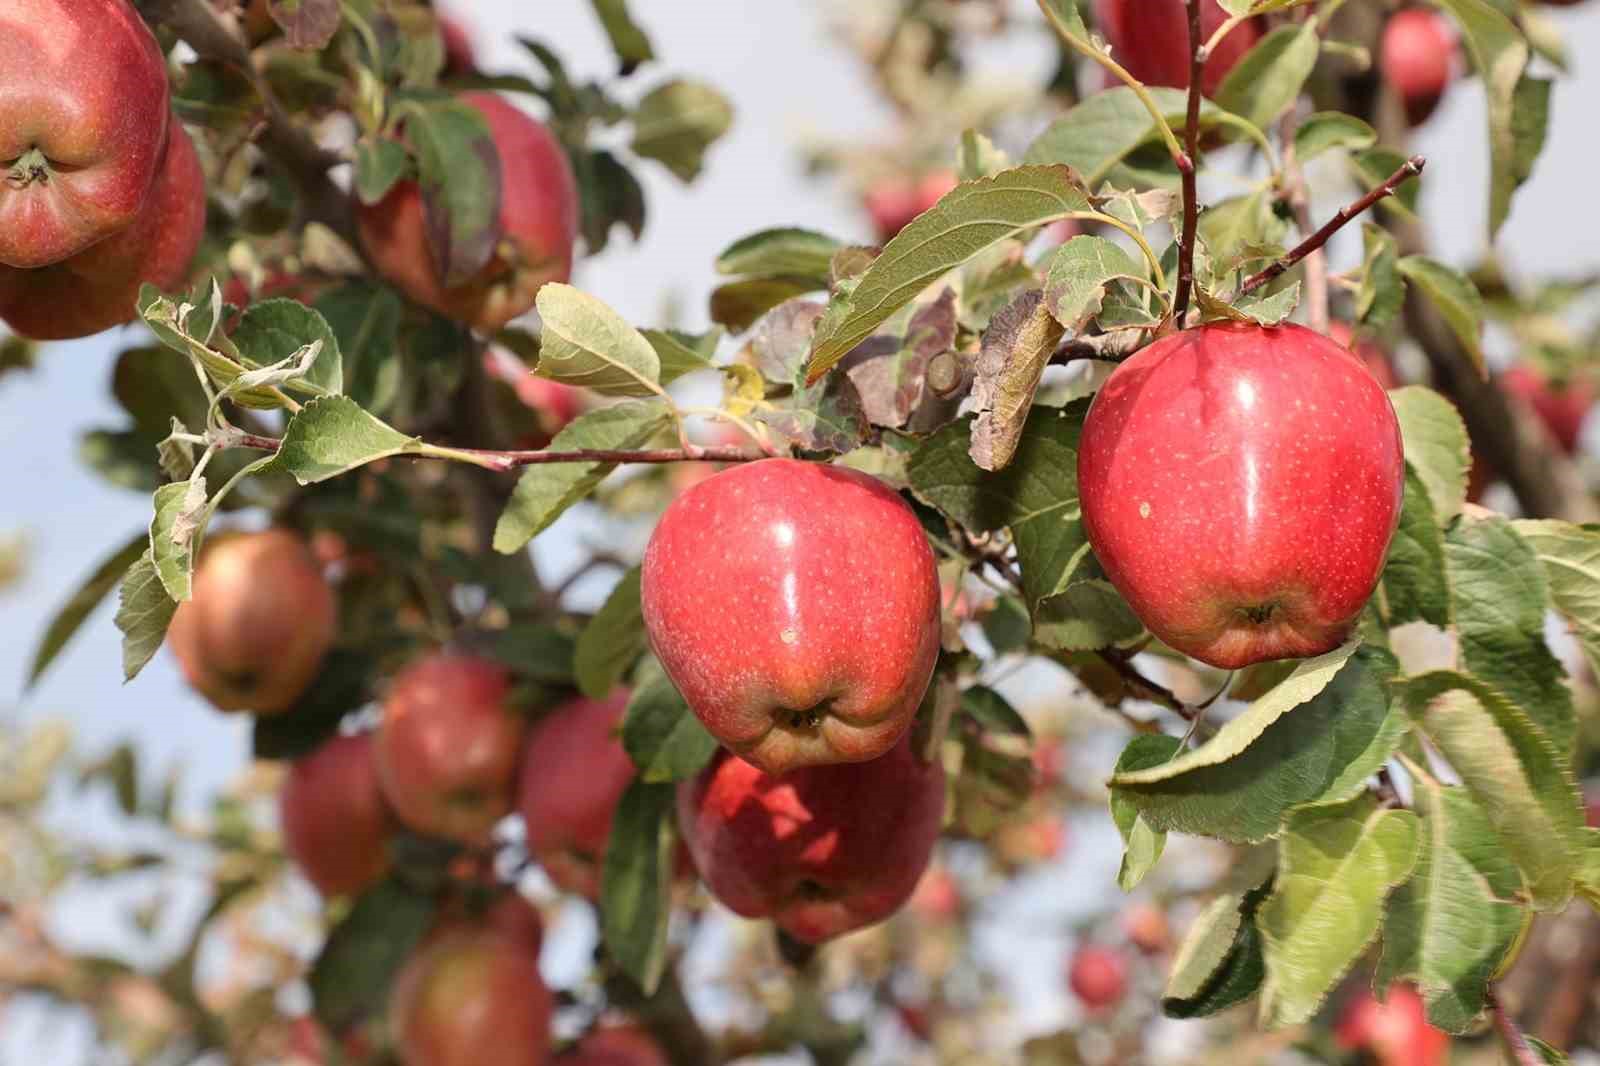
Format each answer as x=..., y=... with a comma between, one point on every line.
x=787, y=79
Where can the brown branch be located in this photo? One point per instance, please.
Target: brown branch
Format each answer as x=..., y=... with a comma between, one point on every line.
x=1408, y=170
x=1188, y=163
x=1142, y=687
x=1522, y=1052
x=512, y=460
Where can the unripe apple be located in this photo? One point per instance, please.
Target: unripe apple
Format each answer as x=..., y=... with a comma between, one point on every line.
x=1098, y=976
x=574, y=772
x=1240, y=485
x=1150, y=38
x=822, y=850
x=99, y=287
x=538, y=212
x=474, y=999
x=258, y=623
x=894, y=202
x=617, y=1045
x=83, y=122
x=1562, y=410
x=335, y=822
x=448, y=747
x=796, y=607
x=1395, y=1032
x=1416, y=59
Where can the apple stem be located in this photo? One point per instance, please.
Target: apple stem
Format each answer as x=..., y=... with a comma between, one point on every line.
x=1522, y=1053
x=1188, y=163
x=1408, y=170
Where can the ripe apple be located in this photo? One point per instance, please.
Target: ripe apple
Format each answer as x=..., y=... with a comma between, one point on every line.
x=937, y=897
x=1416, y=58
x=553, y=404
x=538, y=212
x=259, y=621
x=1369, y=351
x=80, y=151
x=98, y=287
x=1562, y=409
x=1147, y=928
x=616, y=1045
x=473, y=999
x=1395, y=1032
x=460, y=58
x=1240, y=485
x=1150, y=38
x=511, y=915
x=796, y=607
x=574, y=772
x=821, y=850
x=894, y=202
x=1098, y=976
x=448, y=746
x=335, y=821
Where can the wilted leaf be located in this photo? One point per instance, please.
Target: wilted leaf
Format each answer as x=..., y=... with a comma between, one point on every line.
x=1016, y=347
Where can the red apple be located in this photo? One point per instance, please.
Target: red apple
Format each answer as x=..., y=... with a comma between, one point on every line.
x=258, y=623
x=796, y=607
x=1240, y=485
x=1561, y=409
x=1416, y=59
x=83, y=122
x=1150, y=38
x=1147, y=928
x=1369, y=351
x=937, y=897
x=574, y=772
x=335, y=822
x=617, y=1045
x=474, y=999
x=555, y=404
x=448, y=747
x=1395, y=1032
x=1098, y=977
x=894, y=202
x=512, y=916
x=538, y=211
x=822, y=850
x=98, y=287
x=460, y=58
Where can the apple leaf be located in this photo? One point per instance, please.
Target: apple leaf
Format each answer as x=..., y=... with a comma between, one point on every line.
x=1414, y=585
x=178, y=509
x=662, y=736
x=890, y=369
x=780, y=339
x=1436, y=446
x=1267, y=80
x=331, y=435
x=1588, y=875
x=1497, y=598
x=144, y=610
x=1219, y=963
x=276, y=330
x=358, y=962
x=1516, y=774
x=676, y=122
x=630, y=42
x=1383, y=290
x=1314, y=738
x=306, y=24
x=825, y=417
x=1141, y=844
x=609, y=195
x=1102, y=131
x=95, y=588
x=968, y=219
x=778, y=252
x=585, y=343
x=1374, y=166
x=546, y=490
x=365, y=319
x=1530, y=122
x=979, y=157
x=1451, y=925
x=682, y=353
x=1571, y=558
x=636, y=883
x=1085, y=616
x=1080, y=271
x=1240, y=231
x=380, y=164
x=1016, y=346
x=1336, y=865
x=738, y=304
x=1550, y=1056
x=612, y=641
x=188, y=326
x=1456, y=297
x=1327, y=130
x=992, y=712
x=458, y=170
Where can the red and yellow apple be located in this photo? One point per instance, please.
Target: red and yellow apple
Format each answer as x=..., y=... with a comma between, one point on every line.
x=796, y=607
x=335, y=822
x=1395, y=1032
x=472, y=999
x=1416, y=57
x=1561, y=408
x=1150, y=38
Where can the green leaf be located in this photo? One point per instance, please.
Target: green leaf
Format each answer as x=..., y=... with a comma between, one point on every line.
x=738, y=304
x=612, y=641
x=1336, y=866
x=189, y=329
x=306, y=24
x=1414, y=585
x=609, y=195
x=1088, y=615
x=675, y=123
x=1451, y=925
x=536, y=651
x=458, y=169
x=105, y=577
x=1383, y=290
x=343, y=684
x=172, y=533
x=1514, y=772
x=793, y=252
x=380, y=164
x=143, y=612
x=680, y=353
x=365, y=317
x=1080, y=272
x=1016, y=346
x=627, y=39
x=1219, y=963
x=662, y=736
x=330, y=436
x=637, y=882
x=1241, y=230
x=971, y=217
x=273, y=331
x=1530, y=121
x=586, y=343
x=1327, y=130
x=1036, y=496
x=1436, y=446
x=351, y=976
x=1314, y=738
x=1268, y=79
x=1551, y=1056
x=980, y=157
x=1456, y=297
x=1142, y=844
x=546, y=490
x=1571, y=558
x=992, y=712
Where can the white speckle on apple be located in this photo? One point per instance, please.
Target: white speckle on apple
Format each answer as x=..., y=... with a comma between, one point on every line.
x=1144, y=508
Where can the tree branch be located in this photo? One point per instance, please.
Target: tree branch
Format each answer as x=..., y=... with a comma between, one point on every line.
x=1522, y=1052
x=1188, y=163
x=513, y=460
x=1408, y=170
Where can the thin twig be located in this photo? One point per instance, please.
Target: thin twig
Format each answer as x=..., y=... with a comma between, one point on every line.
x=1142, y=687
x=1298, y=198
x=1188, y=163
x=1521, y=1051
x=1408, y=170
x=512, y=460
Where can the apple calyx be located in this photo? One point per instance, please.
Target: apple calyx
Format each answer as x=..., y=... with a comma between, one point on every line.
x=32, y=166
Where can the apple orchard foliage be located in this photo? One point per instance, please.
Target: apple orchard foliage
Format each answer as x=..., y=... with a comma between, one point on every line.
x=1415, y=818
